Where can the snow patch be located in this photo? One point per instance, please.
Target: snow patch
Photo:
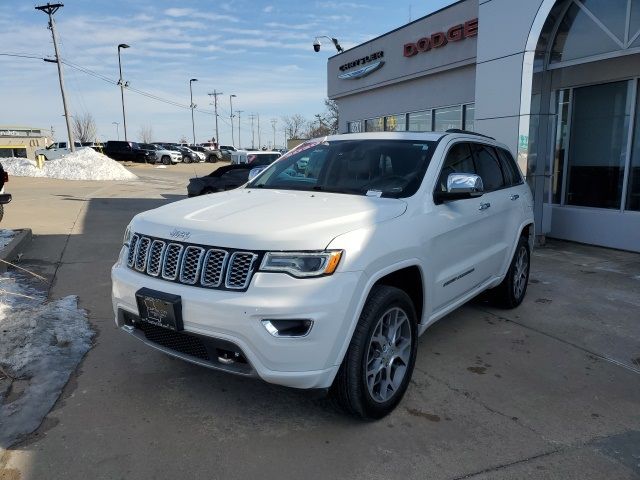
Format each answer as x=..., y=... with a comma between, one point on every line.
x=85, y=164
x=5, y=237
x=41, y=343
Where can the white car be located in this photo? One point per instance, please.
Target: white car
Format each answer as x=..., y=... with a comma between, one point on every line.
x=325, y=278
x=167, y=157
x=58, y=150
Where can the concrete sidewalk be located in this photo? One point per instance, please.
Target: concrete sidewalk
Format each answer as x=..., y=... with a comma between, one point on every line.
x=549, y=390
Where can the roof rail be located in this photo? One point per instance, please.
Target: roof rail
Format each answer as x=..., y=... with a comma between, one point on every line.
x=466, y=132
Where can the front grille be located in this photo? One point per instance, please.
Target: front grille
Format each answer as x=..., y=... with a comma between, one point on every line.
x=180, y=342
x=196, y=265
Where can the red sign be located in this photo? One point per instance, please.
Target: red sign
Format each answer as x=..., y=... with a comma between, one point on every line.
x=440, y=39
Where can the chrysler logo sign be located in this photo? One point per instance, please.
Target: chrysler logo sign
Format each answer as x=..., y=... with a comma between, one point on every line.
x=368, y=64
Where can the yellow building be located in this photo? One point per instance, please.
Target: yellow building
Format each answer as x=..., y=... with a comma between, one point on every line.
x=22, y=141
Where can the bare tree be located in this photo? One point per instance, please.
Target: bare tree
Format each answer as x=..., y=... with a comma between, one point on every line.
x=84, y=128
x=331, y=115
x=294, y=125
x=183, y=139
x=146, y=134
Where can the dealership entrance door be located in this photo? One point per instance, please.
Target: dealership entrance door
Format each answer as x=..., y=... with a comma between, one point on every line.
x=586, y=89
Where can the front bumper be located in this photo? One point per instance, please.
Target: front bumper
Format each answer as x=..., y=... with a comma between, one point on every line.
x=301, y=362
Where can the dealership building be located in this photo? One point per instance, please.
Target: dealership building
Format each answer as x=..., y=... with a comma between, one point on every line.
x=557, y=81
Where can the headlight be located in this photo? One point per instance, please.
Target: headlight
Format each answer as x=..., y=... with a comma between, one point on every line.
x=302, y=264
x=127, y=235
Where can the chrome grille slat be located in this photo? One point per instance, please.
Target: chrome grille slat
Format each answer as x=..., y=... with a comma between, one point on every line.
x=142, y=252
x=133, y=243
x=155, y=257
x=212, y=268
x=191, y=264
x=171, y=261
x=239, y=271
x=191, y=261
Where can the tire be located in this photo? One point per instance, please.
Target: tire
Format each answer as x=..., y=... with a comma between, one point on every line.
x=510, y=293
x=1, y=212
x=166, y=160
x=212, y=158
x=370, y=349
x=186, y=159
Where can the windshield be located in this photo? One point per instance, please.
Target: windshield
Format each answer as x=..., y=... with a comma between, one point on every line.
x=380, y=168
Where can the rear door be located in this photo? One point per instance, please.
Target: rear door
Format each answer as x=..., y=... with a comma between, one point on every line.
x=499, y=211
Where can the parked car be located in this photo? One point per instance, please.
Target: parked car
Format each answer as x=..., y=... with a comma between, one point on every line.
x=244, y=156
x=210, y=155
x=226, y=178
x=190, y=156
x=226, y=151
x=58, y=150
x=4, y=197
x=325, y=278
x=167, y=157
x=128, y=151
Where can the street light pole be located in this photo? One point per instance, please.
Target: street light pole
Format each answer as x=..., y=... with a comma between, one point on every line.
x=121, y=83
x=233, y=142
x=273, y=124
x=117, y=129
x=215, y=107
x=50, y=9
x=193, y=124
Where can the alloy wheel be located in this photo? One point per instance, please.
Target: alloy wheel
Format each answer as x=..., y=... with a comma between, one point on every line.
x=521, y=272
x=388, y=354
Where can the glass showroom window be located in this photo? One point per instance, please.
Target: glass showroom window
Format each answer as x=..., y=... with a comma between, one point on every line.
x=562, y=144
x=420, y=121
x=633, y=196
x=448, y=118
x=395, y=123
x=374, y=125
x=470, y=117
x=354, y=127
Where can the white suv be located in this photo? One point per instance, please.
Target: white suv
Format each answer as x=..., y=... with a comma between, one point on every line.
x=324, y=269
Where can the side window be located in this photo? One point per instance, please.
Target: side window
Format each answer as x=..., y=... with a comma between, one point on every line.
x=458, y=160
x=488, y=167
x=509, y=167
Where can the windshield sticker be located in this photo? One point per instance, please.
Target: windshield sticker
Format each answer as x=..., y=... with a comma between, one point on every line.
x=303, y=146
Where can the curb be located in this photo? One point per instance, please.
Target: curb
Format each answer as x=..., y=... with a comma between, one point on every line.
x=15, y=247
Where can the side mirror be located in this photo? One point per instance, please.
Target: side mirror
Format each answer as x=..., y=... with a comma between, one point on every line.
x=460, y=186
x=254, y=172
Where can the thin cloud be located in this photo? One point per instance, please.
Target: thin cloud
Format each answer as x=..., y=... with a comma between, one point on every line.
x=268, y=9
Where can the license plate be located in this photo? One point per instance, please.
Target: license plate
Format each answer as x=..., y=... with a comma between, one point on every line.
x=160, y=309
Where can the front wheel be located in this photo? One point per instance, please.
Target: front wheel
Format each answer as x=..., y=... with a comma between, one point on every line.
x=166, y=160
x=510, y=293
x=377, y=367
x=186, y=159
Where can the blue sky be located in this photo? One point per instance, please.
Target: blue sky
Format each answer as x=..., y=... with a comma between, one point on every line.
x=260, y=51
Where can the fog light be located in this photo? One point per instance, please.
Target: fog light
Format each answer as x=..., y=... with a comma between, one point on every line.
x=288, y=328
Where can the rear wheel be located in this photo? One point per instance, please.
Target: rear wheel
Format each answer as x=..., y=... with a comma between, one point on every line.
x=166, y=160
x=1, y=212
x=186, y=159
x=511, y=292
x=377, y=367
x=212, y=158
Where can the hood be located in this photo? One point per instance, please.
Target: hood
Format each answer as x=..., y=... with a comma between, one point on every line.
x=254, y=219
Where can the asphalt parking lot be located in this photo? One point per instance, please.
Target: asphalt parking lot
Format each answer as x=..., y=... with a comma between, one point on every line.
x=549, y=390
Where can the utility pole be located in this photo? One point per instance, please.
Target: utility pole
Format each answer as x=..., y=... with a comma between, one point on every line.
x=259, y=142
x=233, y=142
x=253, y=139
x=50, y=9
x=193, y=124
x=215, y=108
x=239, y=142
x=273, y=124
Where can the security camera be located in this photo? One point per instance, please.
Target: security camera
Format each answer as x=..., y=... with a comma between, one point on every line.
x=316, y=45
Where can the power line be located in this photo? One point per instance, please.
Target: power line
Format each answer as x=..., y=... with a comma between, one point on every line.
x=22, y=55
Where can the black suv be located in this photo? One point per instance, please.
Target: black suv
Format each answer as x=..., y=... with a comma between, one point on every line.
x=128, y=151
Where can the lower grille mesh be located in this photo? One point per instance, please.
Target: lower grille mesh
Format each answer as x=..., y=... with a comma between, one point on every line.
x=180, y=342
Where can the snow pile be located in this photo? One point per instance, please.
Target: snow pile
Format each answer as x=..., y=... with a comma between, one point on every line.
x=5, y=237
x=41, y=343
x=84, y=164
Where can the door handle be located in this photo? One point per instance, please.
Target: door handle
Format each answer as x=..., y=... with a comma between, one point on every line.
x=514, y=197
x=484, y=206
